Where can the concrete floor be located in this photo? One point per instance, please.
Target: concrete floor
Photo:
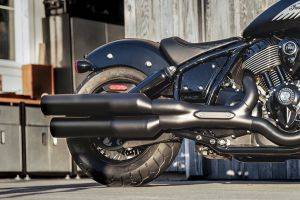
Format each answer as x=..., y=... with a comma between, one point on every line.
x=88, y=189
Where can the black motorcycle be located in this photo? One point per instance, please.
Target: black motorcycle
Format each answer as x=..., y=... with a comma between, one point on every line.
x=237, y=98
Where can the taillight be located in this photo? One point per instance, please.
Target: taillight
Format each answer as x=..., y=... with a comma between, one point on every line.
x=82, y=66
x=117, y=87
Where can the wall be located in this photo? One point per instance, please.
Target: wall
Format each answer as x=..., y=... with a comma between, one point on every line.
x=228, y=18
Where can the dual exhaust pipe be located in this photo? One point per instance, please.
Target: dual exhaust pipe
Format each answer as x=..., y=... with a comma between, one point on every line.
x=136, y=117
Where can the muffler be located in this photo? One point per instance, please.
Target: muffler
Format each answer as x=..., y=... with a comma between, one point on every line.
x=129, y=128
x=128, y=104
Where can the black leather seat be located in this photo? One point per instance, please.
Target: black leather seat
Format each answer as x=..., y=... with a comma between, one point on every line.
x=179, y=51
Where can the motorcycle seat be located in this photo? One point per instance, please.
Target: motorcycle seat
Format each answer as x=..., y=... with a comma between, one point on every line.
x=179, y=51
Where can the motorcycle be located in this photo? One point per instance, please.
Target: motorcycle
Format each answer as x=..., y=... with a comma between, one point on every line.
x=236, y=98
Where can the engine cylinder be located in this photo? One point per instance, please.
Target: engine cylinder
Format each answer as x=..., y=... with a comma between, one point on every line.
x=264, y=61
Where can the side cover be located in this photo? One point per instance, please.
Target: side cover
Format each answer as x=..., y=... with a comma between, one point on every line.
x=142, y=55
x=196, y=82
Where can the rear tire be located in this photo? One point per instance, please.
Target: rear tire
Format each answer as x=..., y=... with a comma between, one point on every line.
x=136, y=171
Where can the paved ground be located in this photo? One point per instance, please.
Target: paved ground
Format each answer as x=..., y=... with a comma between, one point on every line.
x=88, y=189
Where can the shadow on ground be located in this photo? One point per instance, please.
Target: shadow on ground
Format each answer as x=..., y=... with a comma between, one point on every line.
x=14, y=192
x=34, y=190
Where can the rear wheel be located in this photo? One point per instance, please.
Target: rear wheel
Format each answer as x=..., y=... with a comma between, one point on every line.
x=104, y=159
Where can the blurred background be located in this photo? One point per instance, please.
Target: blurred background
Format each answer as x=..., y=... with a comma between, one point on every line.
x=39, y=41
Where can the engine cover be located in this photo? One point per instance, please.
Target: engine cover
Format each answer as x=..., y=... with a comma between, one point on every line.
x=284, y=106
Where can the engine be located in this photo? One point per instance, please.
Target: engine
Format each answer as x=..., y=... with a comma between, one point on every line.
x=275, y=66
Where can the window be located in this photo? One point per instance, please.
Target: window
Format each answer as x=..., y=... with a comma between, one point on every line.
x=7, y=31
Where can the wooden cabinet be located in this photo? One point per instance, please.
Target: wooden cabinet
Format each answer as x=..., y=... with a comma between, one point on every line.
x=37, y=79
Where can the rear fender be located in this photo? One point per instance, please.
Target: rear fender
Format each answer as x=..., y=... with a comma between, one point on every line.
x=142, y=55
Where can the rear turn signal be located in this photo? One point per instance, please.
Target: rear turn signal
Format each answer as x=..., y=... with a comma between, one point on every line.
x=82, y=66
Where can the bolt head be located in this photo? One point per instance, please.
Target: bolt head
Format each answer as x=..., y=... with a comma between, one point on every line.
x=198, y=137
x=212, y=141
x=204, y=153
x=222, y=142
x=200, y=88
x=148, y=64
x=172, y=68
x=110, y=56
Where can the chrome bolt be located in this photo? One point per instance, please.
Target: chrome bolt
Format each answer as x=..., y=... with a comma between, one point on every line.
x=248, y=132
x=172, y=68
x=222, y=142
x=148, y=64
x=198, y=137
x=213, y=66
x=110, y=56
x=200, y=88
x=212, y=141
x=228, y=142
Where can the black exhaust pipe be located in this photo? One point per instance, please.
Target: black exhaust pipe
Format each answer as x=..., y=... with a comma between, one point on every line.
x=134, y=116
x=128, y=104
x=149, y=120
x=129, y=128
